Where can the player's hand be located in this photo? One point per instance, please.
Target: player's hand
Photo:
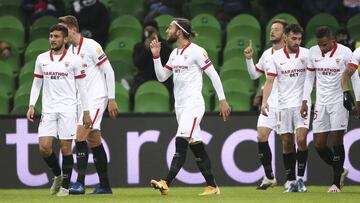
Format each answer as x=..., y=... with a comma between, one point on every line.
x=155, y=46
x=87, y=120
x=30, y=113
x=225, y=110
x=348, y=101
x=113, y=108
x=304, y=109
x=265, y=109
x=248, y=52
x=357, y=109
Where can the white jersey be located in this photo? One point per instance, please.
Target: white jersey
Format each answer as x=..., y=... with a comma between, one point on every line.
x=329, y=68
x=290, y=69
x=263, y=67
x=92, y=56
x=355, y=59
x=59, y=73
x=187, y=65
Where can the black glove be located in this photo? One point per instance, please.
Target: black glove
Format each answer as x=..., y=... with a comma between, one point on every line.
x=348, y=101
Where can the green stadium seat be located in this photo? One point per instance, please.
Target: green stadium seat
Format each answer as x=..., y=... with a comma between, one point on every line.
x=235, y=48
x=122, y=98
x=131, y=7
x=238, y=74
x=40, y=28
x=21, y=100
x=27, y=73
x=244, y=25
x=7, y=77
x=12, y=30
x=202, y=6
x=163, y=22
x=121, y=49
x=310, y=43
x=12, y=8
x=152, y=96
x=236, y=97
x=125, y=26
x=353, y=27
x=4, y=101
x=319, y=20
x=123, y=71
x=208, y=26
x=210, y=48
x=35, y=48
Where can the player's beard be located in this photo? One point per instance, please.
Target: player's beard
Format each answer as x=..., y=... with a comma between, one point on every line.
x=171, y=39
x=275, y=41
x=57, y=48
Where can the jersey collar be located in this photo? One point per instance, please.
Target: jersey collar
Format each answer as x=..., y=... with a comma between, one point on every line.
x=332, y=52
x=79, y=46
x=288, y=55
x=182, y=51
x=62, y=55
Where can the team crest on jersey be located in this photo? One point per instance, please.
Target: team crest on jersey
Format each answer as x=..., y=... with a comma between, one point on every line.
x=186, y=57
x=337, y=60
x=302, y=61
x=84, y=65
x=82, y=55
x=67, y=64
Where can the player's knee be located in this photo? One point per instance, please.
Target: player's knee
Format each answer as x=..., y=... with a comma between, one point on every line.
x=262, y=138
x=301, y=141
x=94, y=138
x=45, y=150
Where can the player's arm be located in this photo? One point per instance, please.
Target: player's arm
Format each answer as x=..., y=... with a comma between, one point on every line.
x=35, y=90
x=348, y=101
x=80, y=84
x=266, y=93
x=253, y=71
x=110, y=84
x=162, y=73
x=216, y=82
x=355, y=80
x=308, y=87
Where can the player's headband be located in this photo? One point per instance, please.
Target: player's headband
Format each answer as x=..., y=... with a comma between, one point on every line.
x=181, y=27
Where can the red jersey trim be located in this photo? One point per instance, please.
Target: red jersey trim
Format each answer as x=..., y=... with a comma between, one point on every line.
x=272, y=74
x=38, y=76
x=259, y=70
x=156, y=57
x=206, y=66
x=168, y=67
x=186, y=46
x=310, y=69
x=334, y=49
x=102, y=61
x=353, y=65
x=80, y=44
x=80, y=76
x=62, y=55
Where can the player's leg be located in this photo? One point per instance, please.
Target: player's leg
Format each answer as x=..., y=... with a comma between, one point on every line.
x=47, y=132
x=339, y=157
x=302, y=157
x=82, y=154
x=325, y=153
x=66, y=125
x=100, y=162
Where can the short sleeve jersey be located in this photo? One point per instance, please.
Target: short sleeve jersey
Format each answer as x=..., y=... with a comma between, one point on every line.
x=329, y=68
x=263, y=67
x=290, y=70
x=58, y=74
x=187, y=65
x=92, y=56
x=355, y=59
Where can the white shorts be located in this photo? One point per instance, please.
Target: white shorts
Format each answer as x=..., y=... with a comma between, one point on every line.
x=59, y=125
x=97, y=109
x=290, y=119
x=331, y=117
x=268, y=121
x=189, y=119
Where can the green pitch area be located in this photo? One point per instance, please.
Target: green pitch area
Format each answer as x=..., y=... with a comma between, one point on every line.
x=317, y=194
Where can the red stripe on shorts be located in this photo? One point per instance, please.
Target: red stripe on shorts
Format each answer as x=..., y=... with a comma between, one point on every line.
x=96, y=114
x=192, y=129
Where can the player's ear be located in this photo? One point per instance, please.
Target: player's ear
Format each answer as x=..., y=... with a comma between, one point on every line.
x=66, y=40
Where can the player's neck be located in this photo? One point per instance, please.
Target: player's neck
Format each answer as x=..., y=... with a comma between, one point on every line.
x=76, y=40
x=278, y=45
x=58, y=52
x=181, y=43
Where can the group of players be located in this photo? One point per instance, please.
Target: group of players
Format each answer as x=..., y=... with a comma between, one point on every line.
x=290, y=72
x=79, y=84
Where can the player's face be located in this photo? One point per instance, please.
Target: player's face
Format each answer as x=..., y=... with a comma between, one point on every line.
x=57, y=40
x=276, y=33
x=172, y=31
x=293, y=41
x=325, y=44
